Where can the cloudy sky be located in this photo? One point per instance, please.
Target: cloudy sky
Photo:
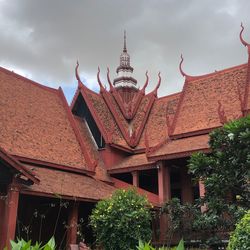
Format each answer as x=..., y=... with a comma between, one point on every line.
x=43, y=39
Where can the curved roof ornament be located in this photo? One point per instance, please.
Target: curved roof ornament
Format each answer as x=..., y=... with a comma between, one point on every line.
x=99, y=81
x=241, y=38
x=180, y=67
x=76, y=71
x=109, y=81
x=146, y=83
x=158, y=84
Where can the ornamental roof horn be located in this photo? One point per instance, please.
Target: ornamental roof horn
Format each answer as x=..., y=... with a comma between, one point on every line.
x=180, y=67
x=242, y=39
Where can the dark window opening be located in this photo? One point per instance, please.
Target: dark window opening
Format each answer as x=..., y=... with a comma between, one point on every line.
x=175, y=180
x=148, y=180
x=126, y=177
x=81, y=109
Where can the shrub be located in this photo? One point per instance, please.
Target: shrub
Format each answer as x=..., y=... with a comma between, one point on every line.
x=147, y=246
x=240, y=238
x=26, y=245
x=120, y=221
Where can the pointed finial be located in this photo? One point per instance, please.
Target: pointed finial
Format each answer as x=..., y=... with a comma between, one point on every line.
x=99, y=80
x=158, y=84
x=124, y=42
x=111, y=88
x=180, y=67
x=241, y=38
x=146, y=83
x=76, y=71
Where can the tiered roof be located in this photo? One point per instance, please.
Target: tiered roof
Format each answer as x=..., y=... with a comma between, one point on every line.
x=38, y=127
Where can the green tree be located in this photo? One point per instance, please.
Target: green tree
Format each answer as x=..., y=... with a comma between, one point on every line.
x=226, y=174
x=120, y=221
x=240, y=238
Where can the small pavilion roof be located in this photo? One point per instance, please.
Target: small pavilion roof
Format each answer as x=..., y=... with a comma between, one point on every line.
x=56, y=183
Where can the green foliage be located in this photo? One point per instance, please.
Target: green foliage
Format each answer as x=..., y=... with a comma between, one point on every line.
x=226, y=174
x=147, y=246
x=240, y=239
x=181, y=217
x=226, y=171
x=120, y=221
x=26, y=245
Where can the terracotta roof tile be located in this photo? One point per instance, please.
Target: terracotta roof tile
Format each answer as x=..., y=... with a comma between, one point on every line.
x=198, y=106
x=156, y=125
x=34, y=122
x=132, y=161
x=181, y=147
x=106, y=118
x=54, y=182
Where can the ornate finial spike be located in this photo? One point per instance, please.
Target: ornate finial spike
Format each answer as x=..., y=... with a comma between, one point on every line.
x=146, y=83
x=124, y=42
x=241, y=38
x=159, y=81
x=76, y=72
x=108, y=77
x=99, y=81
x=180, y=67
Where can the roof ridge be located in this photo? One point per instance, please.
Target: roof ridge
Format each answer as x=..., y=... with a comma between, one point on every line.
x=198, y=77
x=9, y=72
x=171, y=95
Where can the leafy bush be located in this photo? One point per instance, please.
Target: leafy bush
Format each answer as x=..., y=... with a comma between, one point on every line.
x=120, y=221
x=240, y=239
x=26, y=245
x=225, y=174
x=147, y=246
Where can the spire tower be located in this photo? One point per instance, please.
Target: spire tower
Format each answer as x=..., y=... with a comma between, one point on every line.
x=124, y=70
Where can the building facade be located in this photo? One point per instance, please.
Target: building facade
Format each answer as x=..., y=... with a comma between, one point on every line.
x=57, y=161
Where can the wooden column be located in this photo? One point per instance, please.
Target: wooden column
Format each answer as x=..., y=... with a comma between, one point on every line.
x=135, y=175
x=187, y=195
x=164, y=190
x=10, y=215
x=72, y=222
x=202, y=194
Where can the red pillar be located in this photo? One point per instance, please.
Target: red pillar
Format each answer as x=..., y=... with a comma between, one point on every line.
x=164, y=189
x=72, y=222
x=202, y=194
x=11, y=206
x=186, y=186
x=135, y=175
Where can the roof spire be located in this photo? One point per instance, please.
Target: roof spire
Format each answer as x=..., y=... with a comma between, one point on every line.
x=124, y=70
x=124, y=42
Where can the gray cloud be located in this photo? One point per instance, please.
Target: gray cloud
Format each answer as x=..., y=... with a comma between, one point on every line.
x=43, y=39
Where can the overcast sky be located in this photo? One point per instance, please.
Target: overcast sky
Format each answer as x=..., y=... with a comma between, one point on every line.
x=42, y=40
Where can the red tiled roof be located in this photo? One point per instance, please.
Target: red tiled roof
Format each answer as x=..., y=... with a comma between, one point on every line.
x=34, y=122
x=130, y=162
x=198, y=105
x=75, y=186
x=181, y=147
x=156, y=126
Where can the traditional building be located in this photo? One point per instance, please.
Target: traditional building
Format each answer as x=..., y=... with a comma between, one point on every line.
x=57, y=161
